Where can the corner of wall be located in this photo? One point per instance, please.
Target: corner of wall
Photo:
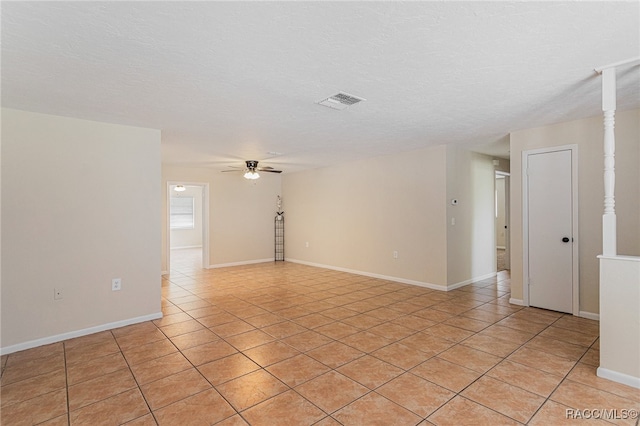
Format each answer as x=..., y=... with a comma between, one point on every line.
x=79, y=239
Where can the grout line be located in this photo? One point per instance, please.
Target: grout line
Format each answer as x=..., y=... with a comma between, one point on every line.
x=196, y=284
x=135, y=379
x=66, y=381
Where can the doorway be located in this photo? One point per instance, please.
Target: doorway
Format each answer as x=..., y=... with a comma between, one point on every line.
x=503, y=255
x=550, y=219
x=187, y=226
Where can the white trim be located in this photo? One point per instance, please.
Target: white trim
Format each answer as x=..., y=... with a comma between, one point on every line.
x=574, y=210
x=458, y=285
x=525, y=227
x=206, y=242
x=619, y=257
x=205, y=221
x=518, y=302
x=630, y=62
x=185, y=247
x=469, y=281
x=576, y=229
x=506, y=177
x=507, y=221
x=614, y=376
x=589, y=315
x=372, y=275
x=78, y=333
x=244, y=262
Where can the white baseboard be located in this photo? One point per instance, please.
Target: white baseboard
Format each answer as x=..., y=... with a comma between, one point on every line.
x=78, y=333
x=370, y=274
x=244, y=262
x=518, y=302
x=614, y=376
x=469, y=281
x=185, y=247
x=224, y=265
x=589, y=315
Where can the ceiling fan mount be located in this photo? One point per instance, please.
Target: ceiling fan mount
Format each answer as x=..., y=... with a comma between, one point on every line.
x=251, y=164
x=251, y=170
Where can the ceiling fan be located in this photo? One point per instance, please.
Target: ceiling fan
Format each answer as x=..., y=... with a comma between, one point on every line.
x=252, y=169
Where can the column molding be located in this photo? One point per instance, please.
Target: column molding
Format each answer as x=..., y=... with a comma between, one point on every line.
x=609, y=239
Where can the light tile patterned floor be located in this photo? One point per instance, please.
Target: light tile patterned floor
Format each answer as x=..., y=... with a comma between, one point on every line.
x=287, y=344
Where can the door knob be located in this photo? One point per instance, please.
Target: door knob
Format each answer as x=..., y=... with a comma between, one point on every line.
x=565, y=240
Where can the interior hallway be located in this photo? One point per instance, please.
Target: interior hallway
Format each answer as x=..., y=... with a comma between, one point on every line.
x=500, y=260
x=186, y=259
x=283, y=344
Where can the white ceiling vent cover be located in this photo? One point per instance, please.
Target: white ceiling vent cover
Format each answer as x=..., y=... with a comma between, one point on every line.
x=340, y=101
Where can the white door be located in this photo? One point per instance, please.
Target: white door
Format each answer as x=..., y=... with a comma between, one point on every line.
x=550, y=217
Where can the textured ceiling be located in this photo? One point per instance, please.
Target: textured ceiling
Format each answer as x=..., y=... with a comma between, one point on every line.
x=227, y=81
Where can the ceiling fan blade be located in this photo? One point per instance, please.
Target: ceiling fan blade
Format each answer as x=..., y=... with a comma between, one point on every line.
x=252, y=165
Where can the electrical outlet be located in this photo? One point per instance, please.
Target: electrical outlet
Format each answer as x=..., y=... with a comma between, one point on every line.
x=116, y=284
x=395, y=254
x=306, y=244
x=57, y=293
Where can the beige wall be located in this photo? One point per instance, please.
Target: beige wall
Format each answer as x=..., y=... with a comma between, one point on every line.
x=471, y=243
x=627, y=182
x=80, y=204
x=355, y=215
x=181, y=238
x=241, y=213
x=588, y=135
x=503, y=164
x=620, y=320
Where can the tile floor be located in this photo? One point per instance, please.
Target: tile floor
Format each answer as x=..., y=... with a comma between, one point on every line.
x=287, y=344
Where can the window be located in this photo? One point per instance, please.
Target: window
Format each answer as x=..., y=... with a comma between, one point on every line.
x=181, y=213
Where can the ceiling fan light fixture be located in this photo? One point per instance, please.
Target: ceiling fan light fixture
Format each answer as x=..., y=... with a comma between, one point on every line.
x=251, y=170
x=179, y=188
x=251, y=174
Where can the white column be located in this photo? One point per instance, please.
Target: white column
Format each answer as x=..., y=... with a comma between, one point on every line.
x=609, y=108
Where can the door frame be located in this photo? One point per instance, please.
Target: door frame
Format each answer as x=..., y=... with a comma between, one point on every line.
x=574, y=218
x=205, y=221
x=507, y=216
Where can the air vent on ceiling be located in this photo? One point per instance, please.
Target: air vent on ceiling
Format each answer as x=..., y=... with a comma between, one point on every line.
x=340, y=101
